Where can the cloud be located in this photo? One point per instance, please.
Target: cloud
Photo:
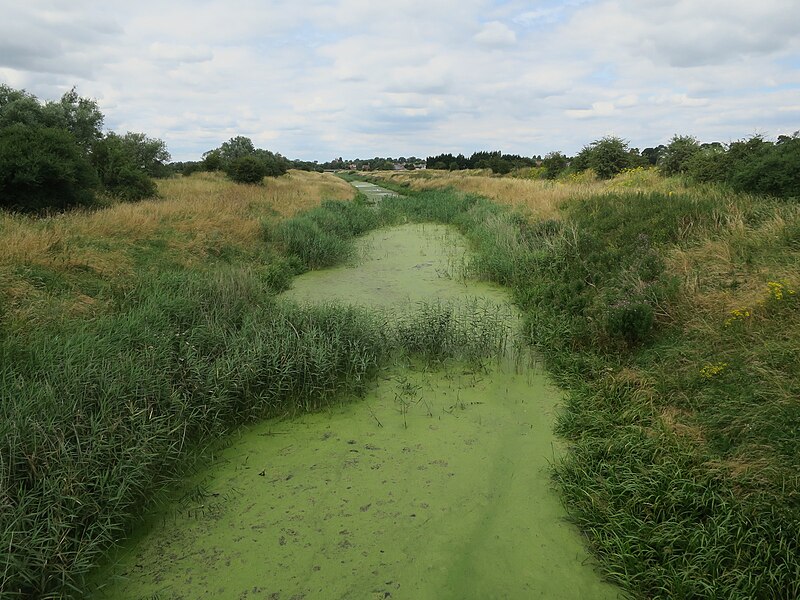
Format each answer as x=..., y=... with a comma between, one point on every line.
x=323, y=78
x=495, y=33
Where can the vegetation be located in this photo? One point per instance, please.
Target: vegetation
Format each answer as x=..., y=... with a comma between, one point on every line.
x=670, y=318
x=101, y=414
x=242, y=162
x=133, y=336
x=54, y=155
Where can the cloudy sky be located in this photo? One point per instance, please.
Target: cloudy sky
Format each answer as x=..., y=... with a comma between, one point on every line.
x=318, y=79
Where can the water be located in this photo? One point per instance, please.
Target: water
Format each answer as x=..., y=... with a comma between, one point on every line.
x=434, y=486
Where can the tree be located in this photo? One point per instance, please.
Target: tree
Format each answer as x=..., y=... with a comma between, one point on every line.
x=212, y=160
x=678, y=154
x=120, y=169
x=42, y=168
x=79, y=116
x=606, y=156
x=246, y=169
x=149, y=154
x=236, y=147
x=653, y=155
x=554, y=164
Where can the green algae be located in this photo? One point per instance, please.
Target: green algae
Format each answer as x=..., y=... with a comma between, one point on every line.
x=435, y=485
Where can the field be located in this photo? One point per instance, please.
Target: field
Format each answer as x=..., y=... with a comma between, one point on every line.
x=133, y=335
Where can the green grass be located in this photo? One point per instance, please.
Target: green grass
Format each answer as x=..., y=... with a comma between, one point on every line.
x=682, y=419
x=99, y=417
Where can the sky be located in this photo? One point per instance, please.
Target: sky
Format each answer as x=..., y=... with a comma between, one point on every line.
x=319, y=79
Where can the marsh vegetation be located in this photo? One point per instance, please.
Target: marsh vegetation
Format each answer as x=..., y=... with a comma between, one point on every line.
x=667, y=311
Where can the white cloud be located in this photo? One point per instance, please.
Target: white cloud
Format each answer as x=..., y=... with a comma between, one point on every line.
x=322, y=78
x=496, y=33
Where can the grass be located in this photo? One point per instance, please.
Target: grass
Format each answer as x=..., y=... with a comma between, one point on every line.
x=538, y=199
x=102, y=411
x=61, y=266
x=669, y=314
x=671, y=318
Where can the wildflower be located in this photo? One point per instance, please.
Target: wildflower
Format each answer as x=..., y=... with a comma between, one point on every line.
x=737, y=314
x=778, y=290
x=711, y=370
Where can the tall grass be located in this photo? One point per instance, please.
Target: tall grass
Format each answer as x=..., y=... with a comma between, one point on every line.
x=99, y=416
x=62, y=266
x=672, y=320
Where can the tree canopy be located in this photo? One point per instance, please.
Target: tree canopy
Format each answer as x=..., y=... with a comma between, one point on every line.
x=54, y=154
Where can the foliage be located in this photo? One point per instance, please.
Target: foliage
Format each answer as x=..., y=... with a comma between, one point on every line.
x=118, y=160
x=80, y=116
x=678, y=154
x=43, y=168
x=246, y=169
x=771, y=169
x=606, y=157
x=683, y=434
x=498, y=162
x=554, y=164
x=322, y=236
x=243, y=162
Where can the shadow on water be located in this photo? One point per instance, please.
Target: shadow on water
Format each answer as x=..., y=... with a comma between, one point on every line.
x=434, y=485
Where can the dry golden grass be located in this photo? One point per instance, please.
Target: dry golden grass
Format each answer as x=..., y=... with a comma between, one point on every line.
x=719, y=277
x=195, y=217
x=536, y=197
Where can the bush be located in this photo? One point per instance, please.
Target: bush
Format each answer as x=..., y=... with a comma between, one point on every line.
x=606, y=157
x=775, y=171
x=554, y=164
x=246, y=169
x=119, y=171
x=42, y=168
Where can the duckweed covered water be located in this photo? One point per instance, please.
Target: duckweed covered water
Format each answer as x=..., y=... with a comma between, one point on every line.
x=434, y=485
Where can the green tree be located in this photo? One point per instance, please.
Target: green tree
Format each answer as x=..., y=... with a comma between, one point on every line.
x=678, y=154
x=119, y=168
x=79, y=116
x=606, y=156
x=149, y=154
x=236, y=147
x=212, y=160
x=43, y=168
x=246, y=169
x=554, y=164
x=773, y=169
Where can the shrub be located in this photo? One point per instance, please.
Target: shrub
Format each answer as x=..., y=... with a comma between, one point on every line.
x=775, y=171
x=43, y=168
x=606, y=156
x=246, y=169
x=678, y=154
x=119, y=170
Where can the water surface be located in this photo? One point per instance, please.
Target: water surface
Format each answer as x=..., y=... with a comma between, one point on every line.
x=433, y=486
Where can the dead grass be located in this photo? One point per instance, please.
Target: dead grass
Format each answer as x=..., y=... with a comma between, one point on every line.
x=196, y=217
x=538, y=198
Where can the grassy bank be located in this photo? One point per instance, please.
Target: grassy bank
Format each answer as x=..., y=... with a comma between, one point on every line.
x=132, y=337
x=672, y=320
x=103, y=410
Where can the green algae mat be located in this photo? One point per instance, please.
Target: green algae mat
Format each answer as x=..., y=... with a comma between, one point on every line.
x=433, y=486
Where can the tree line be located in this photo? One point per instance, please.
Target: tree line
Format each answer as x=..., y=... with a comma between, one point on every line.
x=754, y=165
x=54, y=155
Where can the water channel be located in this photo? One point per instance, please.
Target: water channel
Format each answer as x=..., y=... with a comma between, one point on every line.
x=433, y=486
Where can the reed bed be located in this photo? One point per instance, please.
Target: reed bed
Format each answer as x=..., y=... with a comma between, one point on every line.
x=98, y=417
